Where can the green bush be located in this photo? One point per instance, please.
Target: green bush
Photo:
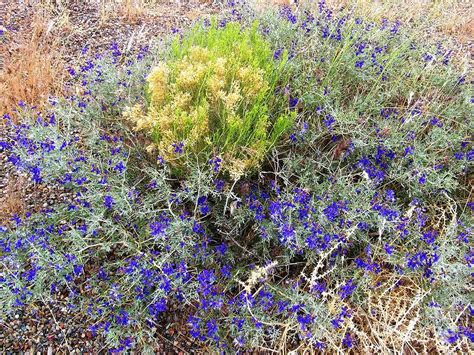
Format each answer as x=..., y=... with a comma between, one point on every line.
x=214, y=94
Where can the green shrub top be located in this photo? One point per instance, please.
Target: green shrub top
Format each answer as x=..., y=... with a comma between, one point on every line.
x=214, y=94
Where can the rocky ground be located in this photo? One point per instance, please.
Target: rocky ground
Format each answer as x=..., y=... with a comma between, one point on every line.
x=75, y=24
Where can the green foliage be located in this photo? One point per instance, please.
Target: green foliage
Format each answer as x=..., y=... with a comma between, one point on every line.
x=214, y=93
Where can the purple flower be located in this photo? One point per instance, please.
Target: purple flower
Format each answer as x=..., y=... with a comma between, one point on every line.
x=221, y=249
x=178, y=147
x=347, y=341
x=427, y=57
x=115, y=50
x=78, y=269
x=198, y=229
x=277, y=53
x=429, y=237
x=120, y=167
x=332, y=211
x=219, y=184
x=225, y=271
x=469, y=258
x=436, y=122
x=122, y=318
x=195, y=327
x=329, y=121
x=36, y=171
x=31, y=274
x=102, y=275
x=388, y=249
x=293, y=102
x=470, y=155
x=287, y=233
x=288, y=14
x=424, y=261
x=155, y=309
x=211, y=328
x=422, y=179
x=158, y=228
x=359, y=64
x=304, y=320
x=408, y=151
x=203, y=205
x=336, y=322
x=452, y=337
x=360, y=48
x=395, y=27
x=347, y=289
x=160, y=160
x=319, y=287
x=108, y=201
x=215, y=161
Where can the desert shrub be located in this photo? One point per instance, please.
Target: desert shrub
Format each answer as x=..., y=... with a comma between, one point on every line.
x=373, y=195
x=122, y=248
x=356, y=233
x=215, y=94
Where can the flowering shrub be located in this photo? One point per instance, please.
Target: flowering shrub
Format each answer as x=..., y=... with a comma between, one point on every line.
x=214, y=93
x=355, y=234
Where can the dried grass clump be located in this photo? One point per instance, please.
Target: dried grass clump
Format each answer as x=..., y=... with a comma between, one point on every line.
x=129, y=10
x=32, y=68
x=391, y=321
